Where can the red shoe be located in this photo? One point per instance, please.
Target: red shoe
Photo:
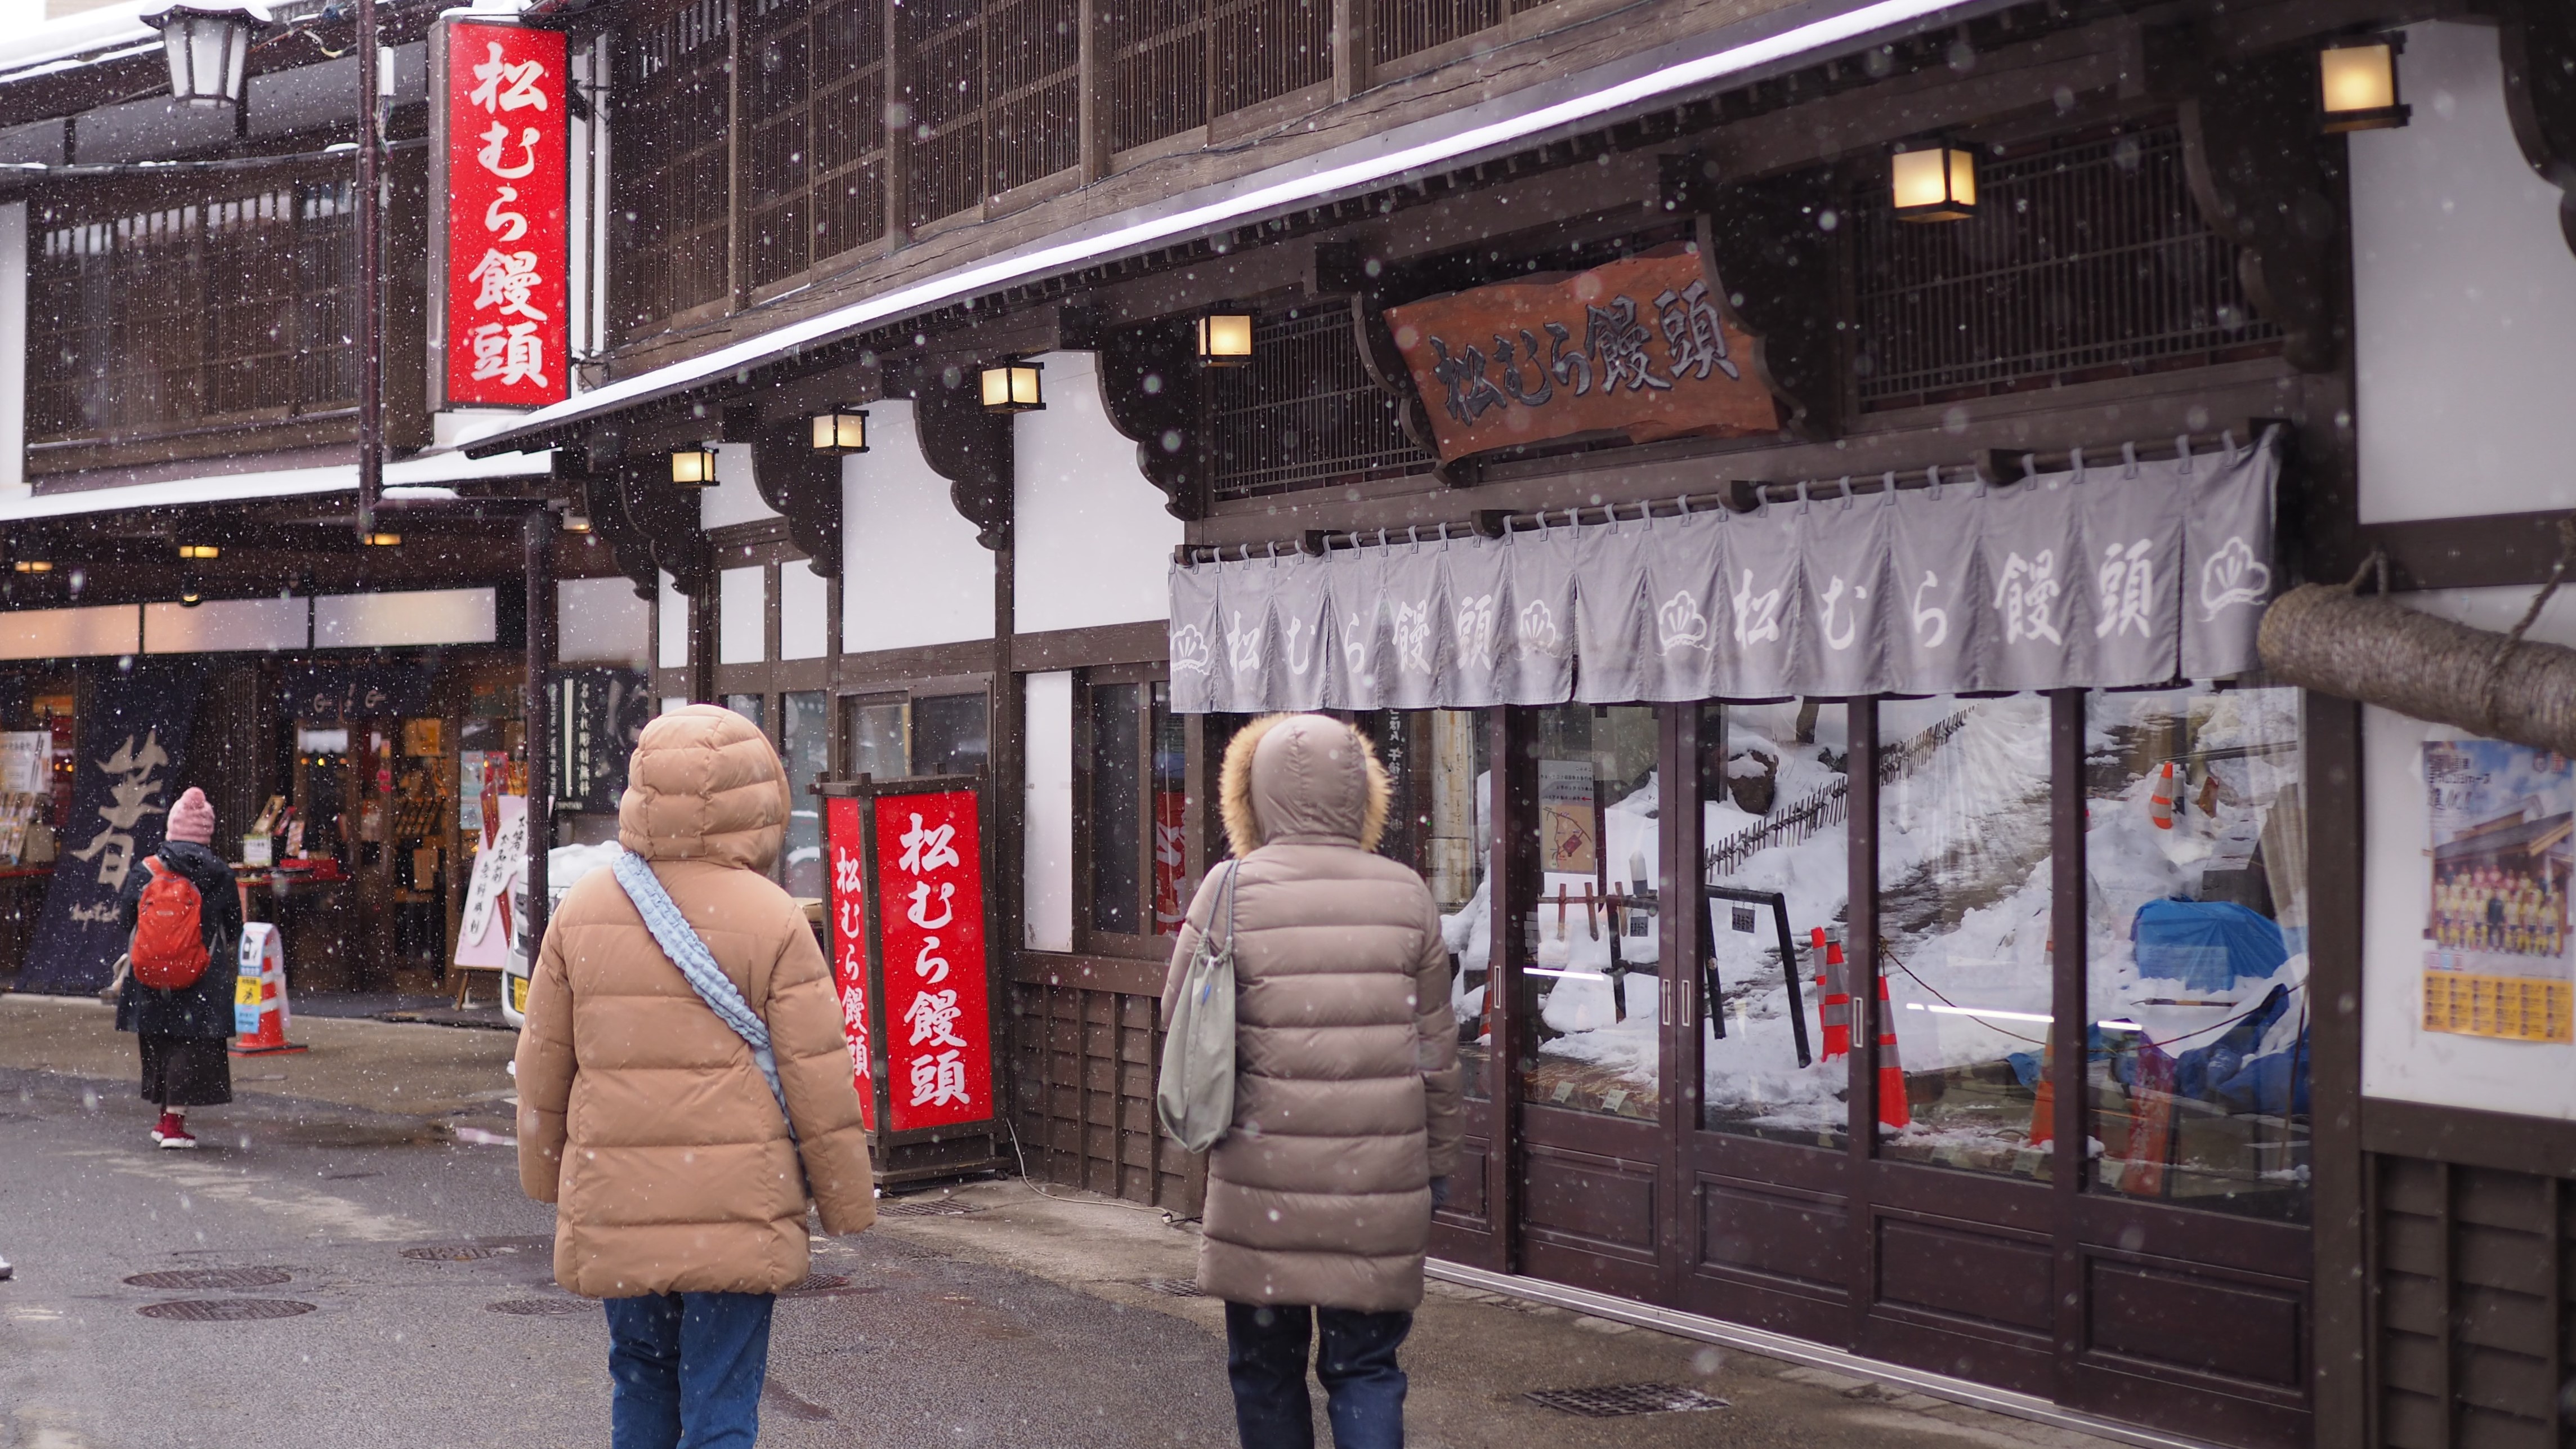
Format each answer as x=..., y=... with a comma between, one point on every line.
x=168, y=1124
x=176, y=1136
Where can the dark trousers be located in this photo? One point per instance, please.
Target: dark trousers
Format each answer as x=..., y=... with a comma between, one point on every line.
x=1265, y=1357
x=688, y=1368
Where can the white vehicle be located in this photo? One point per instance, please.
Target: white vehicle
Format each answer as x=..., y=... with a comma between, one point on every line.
x=565, y=864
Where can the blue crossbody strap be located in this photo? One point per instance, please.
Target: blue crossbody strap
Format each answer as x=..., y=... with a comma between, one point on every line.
x=679, y=942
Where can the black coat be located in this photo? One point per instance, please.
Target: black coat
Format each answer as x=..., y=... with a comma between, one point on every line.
x=204, y=1010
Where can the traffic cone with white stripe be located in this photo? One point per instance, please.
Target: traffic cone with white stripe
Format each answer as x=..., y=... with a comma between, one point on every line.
x=1833, y=994
x=2160, y=803
x=1894, y=1112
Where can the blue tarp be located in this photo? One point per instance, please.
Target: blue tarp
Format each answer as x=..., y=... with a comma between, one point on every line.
x=2206, y=945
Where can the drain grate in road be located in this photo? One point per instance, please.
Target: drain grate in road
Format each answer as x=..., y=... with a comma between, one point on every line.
x=1617, y=1401
x=180, y=1279
x=819, y=1283
x=223, y=1310
x=459, y=1253
x=540, y=1307
x=1176, y=1287
x=927, y=1208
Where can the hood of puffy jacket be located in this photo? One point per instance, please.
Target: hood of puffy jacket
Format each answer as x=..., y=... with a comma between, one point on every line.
x=704, y=784
x=1302, y=777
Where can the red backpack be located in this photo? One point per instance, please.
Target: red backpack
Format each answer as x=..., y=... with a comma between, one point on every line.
x=169, y=951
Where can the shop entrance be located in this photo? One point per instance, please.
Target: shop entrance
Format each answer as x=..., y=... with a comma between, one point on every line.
x=1823, y=1092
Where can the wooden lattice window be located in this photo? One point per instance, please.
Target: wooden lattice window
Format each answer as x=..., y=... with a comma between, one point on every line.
x=147, y=321
x=2086, y=259
x=1304, y=413
x=1398, y=28
x=813, y=96
x=668, y=185
x=1173, y=64
x=992, y=95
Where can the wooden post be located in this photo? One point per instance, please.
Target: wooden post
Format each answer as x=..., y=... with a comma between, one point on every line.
x=536, y=535
x=371, y=306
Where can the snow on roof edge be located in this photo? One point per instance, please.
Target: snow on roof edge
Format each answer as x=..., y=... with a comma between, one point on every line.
x=1373, y=161
x=277, y=483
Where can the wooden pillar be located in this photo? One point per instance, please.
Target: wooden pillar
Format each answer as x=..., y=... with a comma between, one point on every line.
x=536, y=537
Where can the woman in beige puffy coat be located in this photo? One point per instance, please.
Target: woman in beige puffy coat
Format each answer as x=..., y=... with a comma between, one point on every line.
x=1346, y=1115
x=680, y=1191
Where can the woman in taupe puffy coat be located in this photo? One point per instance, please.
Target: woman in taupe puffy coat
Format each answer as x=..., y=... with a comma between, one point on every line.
x=1346, y=1122
x=680, y=1191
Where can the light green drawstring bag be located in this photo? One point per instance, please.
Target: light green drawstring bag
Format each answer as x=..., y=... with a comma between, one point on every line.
x=1194, y=1097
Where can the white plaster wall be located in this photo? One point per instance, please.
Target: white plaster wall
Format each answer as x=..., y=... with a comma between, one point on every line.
x=2398, y=1057
x=804, y=612
x=735, y=498
x=911, y=570
x=1094, y=540
x=13, y=349
x=673, y=650
x=1046, y=889
x=601, y=621
x=742, y=615
x=2464, y=296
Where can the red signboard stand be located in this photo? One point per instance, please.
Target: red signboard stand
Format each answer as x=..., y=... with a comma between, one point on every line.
x=909, y=927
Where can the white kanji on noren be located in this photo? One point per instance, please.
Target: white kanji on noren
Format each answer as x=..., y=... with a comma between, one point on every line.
x=940, y=1080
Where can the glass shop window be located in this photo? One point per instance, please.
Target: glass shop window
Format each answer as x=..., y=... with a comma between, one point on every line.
x=2196, y=854
x=1589, y=988
x=1776, y=1035
x=805, y=744
x=1439, y=823
x=948, y=735
x=1138, y=793
x=1964, y=949
x=879, y=736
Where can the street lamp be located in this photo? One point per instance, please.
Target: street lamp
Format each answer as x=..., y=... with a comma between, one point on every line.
x=1934, y=183
x=208, y=46
x=693, y=467
x=841, y=431
x=1012, y=388
x=1225, y=339
x=2357, y=84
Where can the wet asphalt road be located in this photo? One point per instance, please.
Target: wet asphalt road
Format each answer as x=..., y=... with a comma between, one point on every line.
x=403, y=1346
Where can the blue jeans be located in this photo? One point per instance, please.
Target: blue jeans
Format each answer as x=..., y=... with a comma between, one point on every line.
x=1265, y=1357
x=688, y=1368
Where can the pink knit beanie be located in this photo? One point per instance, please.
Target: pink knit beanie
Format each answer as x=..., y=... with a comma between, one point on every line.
x=192, y=818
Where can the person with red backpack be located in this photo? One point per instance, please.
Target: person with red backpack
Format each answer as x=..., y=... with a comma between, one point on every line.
x=185, y=923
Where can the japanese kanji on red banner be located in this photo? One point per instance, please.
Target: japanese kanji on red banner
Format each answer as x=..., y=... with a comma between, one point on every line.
x=848, y=903
x=912, y=982
x=500, y=319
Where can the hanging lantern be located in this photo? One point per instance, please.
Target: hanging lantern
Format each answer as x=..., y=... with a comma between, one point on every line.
x=1012, y=388
x=200, y=551
x=694, y=467
x=1225, y=339
x=1934, y=183
x=841, y=431
x=383, y=539
x=2357, y=84
x=208, y=47
x=190, y=595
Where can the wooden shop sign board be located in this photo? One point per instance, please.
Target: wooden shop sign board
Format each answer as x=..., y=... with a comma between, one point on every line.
x=1636, y=346
x=910, y=963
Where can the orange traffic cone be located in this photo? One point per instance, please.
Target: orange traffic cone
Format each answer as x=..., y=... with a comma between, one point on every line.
x=1893, y=1110
x=259, y=997
x=2160, y=804
x=1833, y=994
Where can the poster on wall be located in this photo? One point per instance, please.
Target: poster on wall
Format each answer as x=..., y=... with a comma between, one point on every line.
x=2497, y=962
x=26, y=757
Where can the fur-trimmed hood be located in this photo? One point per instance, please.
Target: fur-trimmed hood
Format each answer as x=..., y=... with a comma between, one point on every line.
x=1302, y=777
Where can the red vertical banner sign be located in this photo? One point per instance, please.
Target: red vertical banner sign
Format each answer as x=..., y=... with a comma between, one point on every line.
x=845, y=839
x=938, y=1021
x=501, y=306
